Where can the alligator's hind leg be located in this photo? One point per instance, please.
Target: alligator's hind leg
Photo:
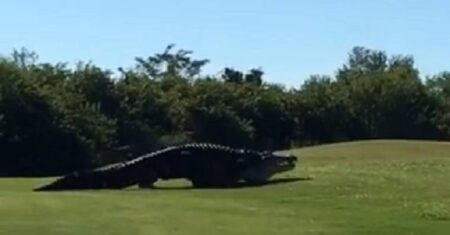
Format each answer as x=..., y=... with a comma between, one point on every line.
x=148, y=181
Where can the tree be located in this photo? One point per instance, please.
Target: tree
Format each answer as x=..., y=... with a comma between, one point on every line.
x=232, y=76
x=385, y=97
x=362, y=61
x=325, y=117
x=179, y=64
x=438, y=87
x=95, y=85
x=33, y=142
x=140, y=114
x=255, y=76
x=213, y=116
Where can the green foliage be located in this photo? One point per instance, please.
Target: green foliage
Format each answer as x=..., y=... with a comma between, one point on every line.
x=141, y=115
x=30, y=124
x=168, y=64
x=54, y=118
x=438, y=87
x=388, y=99
x=323, y=113
x=214, y=114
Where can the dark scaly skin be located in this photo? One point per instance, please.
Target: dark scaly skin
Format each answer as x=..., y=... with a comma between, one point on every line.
x=205, y=165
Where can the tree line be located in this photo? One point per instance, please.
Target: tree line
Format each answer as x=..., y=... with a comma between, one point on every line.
x=55, y=118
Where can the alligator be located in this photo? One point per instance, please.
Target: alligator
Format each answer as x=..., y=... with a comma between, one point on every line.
x=204, y=164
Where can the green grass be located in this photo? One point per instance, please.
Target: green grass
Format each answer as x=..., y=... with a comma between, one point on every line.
x=374, y=187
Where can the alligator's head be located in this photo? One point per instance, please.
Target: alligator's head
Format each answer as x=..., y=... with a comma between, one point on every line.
x=268, y=165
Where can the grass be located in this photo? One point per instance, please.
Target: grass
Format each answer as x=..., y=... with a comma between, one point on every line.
x=371, y=187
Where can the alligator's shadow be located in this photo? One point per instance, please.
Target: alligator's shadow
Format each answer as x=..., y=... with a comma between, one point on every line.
x=238, y=185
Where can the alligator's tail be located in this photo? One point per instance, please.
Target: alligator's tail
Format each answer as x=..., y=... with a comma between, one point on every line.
x=110, y=177
x=76, y=180
x=89, y=180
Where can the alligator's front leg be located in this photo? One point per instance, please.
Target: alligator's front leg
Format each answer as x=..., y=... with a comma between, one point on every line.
x=148, y=181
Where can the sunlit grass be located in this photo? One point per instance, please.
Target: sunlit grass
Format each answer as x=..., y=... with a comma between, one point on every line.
x=375, y=187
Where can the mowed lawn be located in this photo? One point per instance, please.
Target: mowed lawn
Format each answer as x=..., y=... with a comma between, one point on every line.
x=371, y=187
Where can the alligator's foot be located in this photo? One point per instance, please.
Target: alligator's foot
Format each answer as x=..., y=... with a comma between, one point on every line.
x=148, y=183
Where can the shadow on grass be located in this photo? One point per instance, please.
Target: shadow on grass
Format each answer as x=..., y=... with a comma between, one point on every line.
x=235, y=186
x=189, y=187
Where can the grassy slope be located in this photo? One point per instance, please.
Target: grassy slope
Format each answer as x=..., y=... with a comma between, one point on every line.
x=377, y=187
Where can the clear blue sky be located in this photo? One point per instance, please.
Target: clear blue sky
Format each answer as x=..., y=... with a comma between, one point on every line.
x=289, y=39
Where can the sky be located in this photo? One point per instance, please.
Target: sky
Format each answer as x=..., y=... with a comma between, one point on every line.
x=289, y=39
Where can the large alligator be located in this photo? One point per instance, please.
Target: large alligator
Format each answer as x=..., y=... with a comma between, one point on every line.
x=204, y=164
